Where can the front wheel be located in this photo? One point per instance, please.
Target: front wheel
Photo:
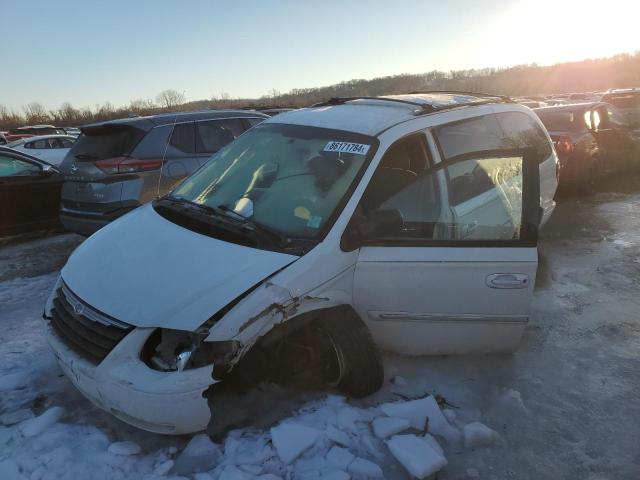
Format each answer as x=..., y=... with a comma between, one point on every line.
x=335, y=351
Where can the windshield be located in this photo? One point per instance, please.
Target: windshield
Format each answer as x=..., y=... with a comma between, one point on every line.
x=287, y=178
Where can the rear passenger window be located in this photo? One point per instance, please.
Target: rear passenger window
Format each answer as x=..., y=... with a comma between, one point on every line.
x=40, y=144
x=521, y=131
x=153, y=145
x=212, y=135
x=183, y=137
x=254, y=121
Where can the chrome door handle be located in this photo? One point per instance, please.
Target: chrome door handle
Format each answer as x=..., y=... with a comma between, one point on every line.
x=507, y=280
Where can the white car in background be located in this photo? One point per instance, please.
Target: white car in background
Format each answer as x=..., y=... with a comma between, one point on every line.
x=406, y=223
x=50, y=148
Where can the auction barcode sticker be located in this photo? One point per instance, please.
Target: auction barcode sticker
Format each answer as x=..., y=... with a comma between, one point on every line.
x=347, y=147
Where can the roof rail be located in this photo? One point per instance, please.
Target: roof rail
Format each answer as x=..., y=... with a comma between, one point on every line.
x=422, y=108
x=504, y=98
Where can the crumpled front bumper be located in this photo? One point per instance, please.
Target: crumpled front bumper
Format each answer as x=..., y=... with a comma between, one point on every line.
x=123, y=385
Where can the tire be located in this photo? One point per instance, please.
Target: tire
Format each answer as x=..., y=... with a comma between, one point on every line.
x=334, y=351
x=590, y=185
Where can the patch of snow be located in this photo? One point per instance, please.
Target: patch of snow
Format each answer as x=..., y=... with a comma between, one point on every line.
x=37, y=425
x=18, y=416
x=477, y=434
x=340, y=457
x=384, y=427
x=398, y=380
x=10, y=471
x=472, y=473
x=365, y=468
x=200, y=455
x=416, y=455
x=291, y=439
x=125, y=448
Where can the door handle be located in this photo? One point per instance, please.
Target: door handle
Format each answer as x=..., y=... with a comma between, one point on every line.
x=507, y=280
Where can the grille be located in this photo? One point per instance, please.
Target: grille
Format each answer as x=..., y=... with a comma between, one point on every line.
x=87, y=331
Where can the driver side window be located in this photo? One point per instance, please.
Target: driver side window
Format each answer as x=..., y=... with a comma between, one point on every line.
x=11, y=167
x=399, y=186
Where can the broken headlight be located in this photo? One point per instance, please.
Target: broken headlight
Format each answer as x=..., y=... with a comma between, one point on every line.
x=177, y=350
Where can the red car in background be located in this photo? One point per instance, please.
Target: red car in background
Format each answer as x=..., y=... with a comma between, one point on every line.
x=31, y=131
x=591, y=140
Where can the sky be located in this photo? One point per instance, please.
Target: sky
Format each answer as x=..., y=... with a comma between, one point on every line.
x=90, y=52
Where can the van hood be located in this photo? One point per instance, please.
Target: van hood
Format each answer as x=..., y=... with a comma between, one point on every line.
x=148, y=272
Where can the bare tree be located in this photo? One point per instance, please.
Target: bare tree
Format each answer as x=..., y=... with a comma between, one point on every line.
x=35, y=112
x=170, y=98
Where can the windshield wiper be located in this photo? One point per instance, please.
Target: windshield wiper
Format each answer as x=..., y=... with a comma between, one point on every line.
x=281, y=239
x=84, y=156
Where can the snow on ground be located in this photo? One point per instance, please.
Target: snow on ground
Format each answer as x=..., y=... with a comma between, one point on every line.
x=564, y=406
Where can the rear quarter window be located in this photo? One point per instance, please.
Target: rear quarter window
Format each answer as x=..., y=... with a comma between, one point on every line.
x=505, y=130
x=153, y=145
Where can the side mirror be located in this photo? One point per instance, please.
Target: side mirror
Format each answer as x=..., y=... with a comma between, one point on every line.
x=48, y=169
x=375, y=224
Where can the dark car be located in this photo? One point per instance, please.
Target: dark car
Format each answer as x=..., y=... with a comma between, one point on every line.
x=627, y=100
x=29, y=193
x=591, y=139
x=118, y=165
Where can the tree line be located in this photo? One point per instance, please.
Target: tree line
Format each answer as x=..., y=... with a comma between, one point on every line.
x=619, y=71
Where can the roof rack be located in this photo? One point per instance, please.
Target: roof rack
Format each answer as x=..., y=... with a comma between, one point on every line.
x=423, y=108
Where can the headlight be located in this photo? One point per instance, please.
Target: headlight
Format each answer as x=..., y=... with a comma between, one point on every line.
x=177, y=350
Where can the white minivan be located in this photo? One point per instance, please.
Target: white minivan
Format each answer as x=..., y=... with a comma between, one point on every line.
x=319, y=237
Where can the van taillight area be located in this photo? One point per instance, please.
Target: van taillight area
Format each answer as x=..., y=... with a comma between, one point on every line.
x=127, y=165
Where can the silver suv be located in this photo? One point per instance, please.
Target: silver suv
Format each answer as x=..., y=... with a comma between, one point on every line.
x=118, y=165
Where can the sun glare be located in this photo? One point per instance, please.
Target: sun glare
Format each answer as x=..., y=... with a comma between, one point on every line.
x=564, y=31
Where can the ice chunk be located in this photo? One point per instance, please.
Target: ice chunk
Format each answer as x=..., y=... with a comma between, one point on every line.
x=338, y=436
x=347, y=418
x=336, y=475
x=340, y=457
x=416, y=455
x=291, y=439
x=365, y=468
x=449, y=414
x=37, y=425
x=477, y=434
x=232, y=472
x=18, y=416
x=384, y=427
x=163, y=468
x=414, y=410
x=124, y=448
x=252, y=469
x=433, y=443
x=202, y=476
x=438, y=424
x=200, y=455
